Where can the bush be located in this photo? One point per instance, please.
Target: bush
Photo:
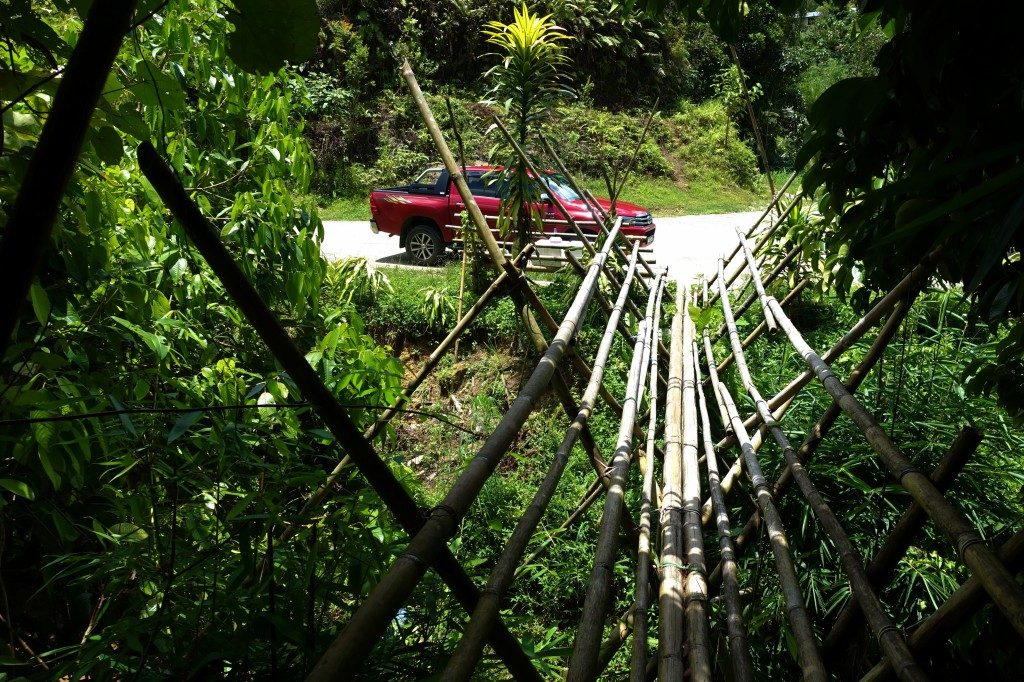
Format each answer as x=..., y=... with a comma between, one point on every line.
x=707, y=149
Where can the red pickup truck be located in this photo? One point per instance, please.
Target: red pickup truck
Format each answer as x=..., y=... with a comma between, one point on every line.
x=425, y=215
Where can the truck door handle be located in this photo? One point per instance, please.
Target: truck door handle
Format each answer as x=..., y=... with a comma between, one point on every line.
x=459, y=204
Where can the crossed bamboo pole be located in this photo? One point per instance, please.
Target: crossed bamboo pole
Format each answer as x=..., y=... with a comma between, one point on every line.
x=270, y=329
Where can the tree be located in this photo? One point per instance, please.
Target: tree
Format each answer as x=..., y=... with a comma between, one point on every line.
x=527, y=85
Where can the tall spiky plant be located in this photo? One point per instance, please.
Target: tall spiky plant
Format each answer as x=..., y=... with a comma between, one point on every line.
x=527, y=84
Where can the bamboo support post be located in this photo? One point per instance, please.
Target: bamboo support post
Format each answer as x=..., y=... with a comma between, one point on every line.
x=470, y=647
x=885, y=630
x=695, y=589
x=266, y=324
x=371, y=620
x=822, y=427
x=583, y=662
x=884, y=563
x=638, y=666
x=35, y=209
x=968, y=598
x=739, y=650
x=317, y=498
x=970, y=548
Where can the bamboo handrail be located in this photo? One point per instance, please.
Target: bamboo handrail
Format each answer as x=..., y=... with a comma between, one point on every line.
x=583, y=662
x=372, y=618
x=971, y=549
x=761, y=327
x=807, y=648
x=670, y=597
x=470, y=647
x=695, y=589
x=884, y=629
x=822, y=427
x=884, y=563
x=638, y=664
x=755, y=277
x=739, y=650
x=270, y=329
x=765, y=236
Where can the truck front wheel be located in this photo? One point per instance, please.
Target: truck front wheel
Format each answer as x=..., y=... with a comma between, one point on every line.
x=424, y=245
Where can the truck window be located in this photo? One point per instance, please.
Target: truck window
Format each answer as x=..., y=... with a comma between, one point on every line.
x=484, y=184
x=429, y=177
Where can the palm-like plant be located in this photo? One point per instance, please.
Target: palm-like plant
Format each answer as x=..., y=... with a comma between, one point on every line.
x=527, y=85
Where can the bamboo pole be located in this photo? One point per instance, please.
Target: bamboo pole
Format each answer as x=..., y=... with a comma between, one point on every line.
x=755, y=277
x=317, y=498
x=971, y=549
x=270, y=329
x=821, y=428
x=807, y=649
x=761, y=328
x=583, y=662
x=638, y=666
x=371, y=620
x=695, y=589
x=469, y=649
x=884, y=563
x=968, y=598
x=810, y=662
x=753, y=228
x=34, y=211
x=892, y=642
x=670, y=598
x=910, y=283
x=739, y=650
x=772, y=276
x=762, y=240
x=753, y=119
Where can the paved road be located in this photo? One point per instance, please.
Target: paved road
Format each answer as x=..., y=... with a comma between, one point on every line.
x=688, y=245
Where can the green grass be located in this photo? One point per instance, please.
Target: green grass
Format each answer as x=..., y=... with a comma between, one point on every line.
x=665, y=197
x=345, y=208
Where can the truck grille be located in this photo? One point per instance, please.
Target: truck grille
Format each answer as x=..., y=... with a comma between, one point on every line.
x=643, y=220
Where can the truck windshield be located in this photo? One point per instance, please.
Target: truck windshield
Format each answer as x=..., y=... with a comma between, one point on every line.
x=560, y=186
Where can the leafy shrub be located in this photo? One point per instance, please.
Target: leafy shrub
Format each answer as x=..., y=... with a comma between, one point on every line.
x=707, y=150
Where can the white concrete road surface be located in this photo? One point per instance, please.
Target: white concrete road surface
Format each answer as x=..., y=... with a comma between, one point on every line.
x=688, y=245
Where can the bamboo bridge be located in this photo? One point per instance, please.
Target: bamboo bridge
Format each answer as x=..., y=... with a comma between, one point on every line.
x=684, y=504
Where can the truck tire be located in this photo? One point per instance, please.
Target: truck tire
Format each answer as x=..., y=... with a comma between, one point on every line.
x=424, y=245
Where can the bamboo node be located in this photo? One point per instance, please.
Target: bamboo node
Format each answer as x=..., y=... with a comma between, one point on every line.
x=906, y=471
x=887, y=629
x=673, y=564
x=412, y=557
x=966, y=541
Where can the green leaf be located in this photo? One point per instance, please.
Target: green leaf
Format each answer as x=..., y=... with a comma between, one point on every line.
x=40, y=302
x=269, y=33
x=19, y=488
x=126, y=420
x=182, y=425
x=108, y=145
